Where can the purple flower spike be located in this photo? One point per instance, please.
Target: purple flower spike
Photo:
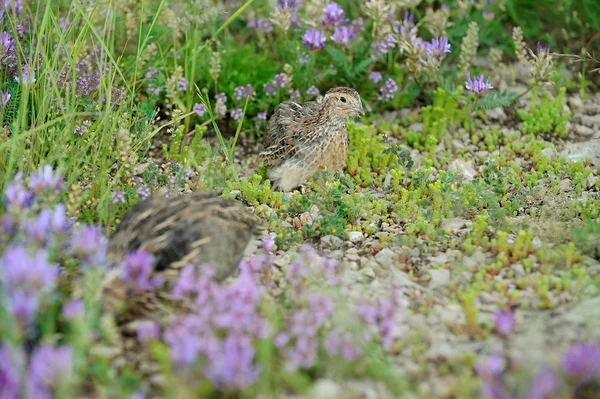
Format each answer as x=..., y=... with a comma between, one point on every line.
x=342, y=35
x=11, y=368
x=544, y=385
x=89, y=244
x=477, y=85
x=44, y=179
x=334, y=14
x=375, y=77
x=27, y=77
x=73, y=310
x=313, y=39
x=148, y=330
x=437, y=48
x=504, y=322
x=490, y=368
x=49, y=367
x=582, y=361
x=137, y=269
x=541, y=48
x=388, y=90
x=199, y=109
x=4, y=98
x=488, y=15
x=313, y=91
x=405, y=27
x=16, y=193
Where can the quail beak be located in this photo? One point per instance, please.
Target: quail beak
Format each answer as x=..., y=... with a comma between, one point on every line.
x=359, y=110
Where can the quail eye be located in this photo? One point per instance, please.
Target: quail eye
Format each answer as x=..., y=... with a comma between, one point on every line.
x=343, y=99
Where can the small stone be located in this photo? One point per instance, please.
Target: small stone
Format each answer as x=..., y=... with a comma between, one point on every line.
x=518, y=269
x=402, y=279
x=453, y=225
x=457, y=145
x=496, y=114
x=462, y=168
x=488, y=298
x=355, y=237
x=582, y=130
x=439, y=278
x=591, y=181
x=582, y=150
x=332, y=242
x=441, y=259
x=475, y=260
x=565, y=185
x=233, y=194
x=548, y=152
x=385, y=257
x=417, y=127
x=575, y=102
x=536, y=243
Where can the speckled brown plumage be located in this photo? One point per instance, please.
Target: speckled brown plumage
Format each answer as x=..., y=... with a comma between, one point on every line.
x=302, y=138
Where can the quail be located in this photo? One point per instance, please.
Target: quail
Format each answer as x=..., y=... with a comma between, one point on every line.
x=303, y=138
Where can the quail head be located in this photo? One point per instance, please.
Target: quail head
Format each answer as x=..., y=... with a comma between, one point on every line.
x=303, y=138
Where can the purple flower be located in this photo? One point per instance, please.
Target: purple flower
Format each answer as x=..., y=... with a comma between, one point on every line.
x=73, y=310
x=383, y=46
x=236, y=114
x=117, y=197
x=375, y=77
x=477, y=85
x=358, y=25
x=294, y=95
x=280, y=80
x=199, y=109
x=8, y=7
x=11, y=368
x=182, y=84
x=4, y=98
x=89, y=244
x=405, y=27
x=341, y=343
x=313, y=39
x=544, y=385
x=27, y=77
x=260, y=25
x=342, y=35
x=582, y=361
x=540, y=48
x=220, y=106
x=44, y=179
x=23, y=306
x=261, y=116
x=268, y=244
x=504, y=322
x=270, y=89
x=234, y=367
x=46, y=222
x=437, y=48
x=24, y=272
x=136, y=269
x=334, y=14
x=488, y=15
x=244, y=91
x=49, y=367
x=388, y=90
x=143, y=191
x=490, y=368
x=16, y=193
x=148, y=330
x=446, y=8
x=312, y=91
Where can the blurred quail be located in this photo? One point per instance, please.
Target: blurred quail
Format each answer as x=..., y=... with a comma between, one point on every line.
x=302, y=138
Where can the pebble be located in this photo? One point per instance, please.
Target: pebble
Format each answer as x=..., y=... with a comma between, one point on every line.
x=439, y=278
x=326, y=389
x=582, y=150
x=462, y=168
x=332, y=242
x=454, y=224
x=385, y=257
x=356, y=237
x=518, y=269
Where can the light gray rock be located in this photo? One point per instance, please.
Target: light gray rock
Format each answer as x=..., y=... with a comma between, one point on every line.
x=356, y=237
x=332, y=242
x=385, y=257
x=463, y=168
x=454, y=224
x=439, y=278
x=582, y=150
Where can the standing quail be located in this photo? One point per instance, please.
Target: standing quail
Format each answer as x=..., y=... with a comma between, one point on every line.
x=303, y=138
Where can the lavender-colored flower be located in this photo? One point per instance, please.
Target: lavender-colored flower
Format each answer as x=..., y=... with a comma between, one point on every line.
x=407, y=25
x=341, y=343
x=260, y=25
x=73, y=310
x=89, y=244
x=268, y=244
x=16, y=194
x=234, y=367
x=8, y=7
x=488, y=15
x=445, y=8
x=220, y=107
x=136, y=269
x=383, y=46
x=148, y=330
x=44, y=179
x=27, y=77
x=117, y=197
x=182, y=84
x=24, y=272
x=280, y=80
x=490, y=368
x=313, y=39
x=23, y=306
x=294, y=95
x=540, y=48
x=143, y=191
x=261, y=116
x=199, y=109
x=6, y=42
x=342, y=35
x=375, y=77
x=504, y=322
x=334, y=14
x=544, y=385
x=388, y=90
x=313, y=91
x=304, y=59
x=582, y=361
x=244, y=91
x=358, y=25
x=289, y=4
x=4, y=98
x=270, y=89
x=151, y=72
x=437, y=48
x=11, y=368
x=477, y=85
x=236, y=114
x=49, y=367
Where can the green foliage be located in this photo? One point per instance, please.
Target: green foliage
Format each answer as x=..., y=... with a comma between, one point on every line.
x=495, y=99
x=546, y=117
x=368, y=158
x=255, y=191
